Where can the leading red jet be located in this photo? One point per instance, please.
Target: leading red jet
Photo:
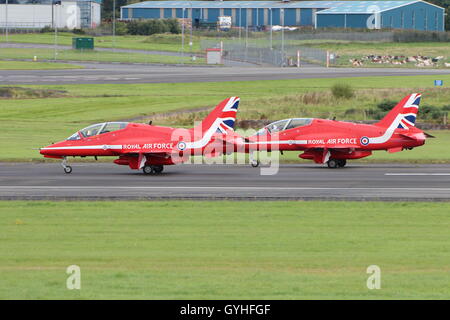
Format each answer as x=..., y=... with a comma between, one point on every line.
x=334, y=142
x=149, y=147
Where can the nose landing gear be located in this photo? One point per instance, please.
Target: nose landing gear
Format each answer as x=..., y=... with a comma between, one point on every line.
x=253, y=162
x=66, y=167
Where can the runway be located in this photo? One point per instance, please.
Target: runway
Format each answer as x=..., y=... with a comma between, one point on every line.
x=102, y=181
x=110, y=73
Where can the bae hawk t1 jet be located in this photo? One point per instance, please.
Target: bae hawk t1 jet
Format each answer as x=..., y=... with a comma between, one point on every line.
x=145, y=146
x=334, y=142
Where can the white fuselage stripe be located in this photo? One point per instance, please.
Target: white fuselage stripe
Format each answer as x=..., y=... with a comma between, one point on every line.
x=102, y=147
x=279, y=142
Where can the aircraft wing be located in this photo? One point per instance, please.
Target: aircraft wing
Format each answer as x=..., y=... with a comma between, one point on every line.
x=321, y=153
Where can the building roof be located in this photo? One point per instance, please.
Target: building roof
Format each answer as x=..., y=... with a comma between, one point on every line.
x=234, y=4
x=366, y=6
x=331, y=7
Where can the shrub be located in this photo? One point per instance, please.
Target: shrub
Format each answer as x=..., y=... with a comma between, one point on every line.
x=121, y=28
x=174, y=26
x=375, y=114
x=46, y=29
x=153, y=26
x=78, y=31
x=342, y=90
x=386, y=105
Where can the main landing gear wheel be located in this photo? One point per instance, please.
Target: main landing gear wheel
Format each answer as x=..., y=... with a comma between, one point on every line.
x=68, y=169
x=342, y=163
x=148, y=169
x=332, y=163
x=152, y=169
x=158, y=168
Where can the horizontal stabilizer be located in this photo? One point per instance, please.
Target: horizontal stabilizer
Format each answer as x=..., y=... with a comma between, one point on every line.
x=414, y=136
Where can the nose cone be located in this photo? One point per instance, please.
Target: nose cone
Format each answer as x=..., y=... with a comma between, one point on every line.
x=45, y=150
x=53, y=150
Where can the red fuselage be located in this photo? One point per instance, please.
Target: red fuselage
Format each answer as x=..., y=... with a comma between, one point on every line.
x=344, y=140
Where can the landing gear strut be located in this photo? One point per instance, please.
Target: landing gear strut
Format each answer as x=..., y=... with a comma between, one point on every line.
x=67, y=168
x=152, y=169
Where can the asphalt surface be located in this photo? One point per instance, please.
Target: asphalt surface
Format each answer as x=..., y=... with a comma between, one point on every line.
x=100, y=73
x=239, y=182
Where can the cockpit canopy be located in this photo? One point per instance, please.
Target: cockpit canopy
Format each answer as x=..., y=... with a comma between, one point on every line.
x=285, y=124
x=98, y=128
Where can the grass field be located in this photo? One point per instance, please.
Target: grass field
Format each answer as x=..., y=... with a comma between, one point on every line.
x=164, y=42
x=33, y=123
x=102, y=56
x=27, y=65
x=224, y=250
x=352, y=50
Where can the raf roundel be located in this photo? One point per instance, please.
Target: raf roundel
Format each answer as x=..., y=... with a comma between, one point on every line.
x=181, y=145
x=364, y=141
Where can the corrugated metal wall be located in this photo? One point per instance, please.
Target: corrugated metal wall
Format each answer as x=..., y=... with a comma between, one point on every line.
x=418, y=16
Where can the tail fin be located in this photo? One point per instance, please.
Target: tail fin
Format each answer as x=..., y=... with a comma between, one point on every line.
x=221, y=119
x=403, y=115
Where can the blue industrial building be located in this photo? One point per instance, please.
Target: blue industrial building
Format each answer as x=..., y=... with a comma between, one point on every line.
x=416, y=15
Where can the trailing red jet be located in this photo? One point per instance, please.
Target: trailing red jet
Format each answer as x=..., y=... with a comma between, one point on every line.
x=334, y=142
x=146, y=146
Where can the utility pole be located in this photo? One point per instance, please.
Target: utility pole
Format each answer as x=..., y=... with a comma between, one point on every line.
x=6, y=21
x=55, y=3
x=246, y=28
x=246, y=35
x=190, y=37
x=240, y=24
x=271, y=27
x=114, y=25
x=182, y=38
x=282, y=37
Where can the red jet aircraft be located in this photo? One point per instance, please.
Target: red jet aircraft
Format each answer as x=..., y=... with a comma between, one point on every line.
x=333, y=142
x=145, y=146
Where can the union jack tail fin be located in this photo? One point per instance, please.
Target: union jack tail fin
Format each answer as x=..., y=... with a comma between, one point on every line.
x=403, y=115
x=221, y=119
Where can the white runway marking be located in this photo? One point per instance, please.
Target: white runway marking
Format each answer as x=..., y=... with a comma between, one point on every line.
x=417, y=174
x=212, y=187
